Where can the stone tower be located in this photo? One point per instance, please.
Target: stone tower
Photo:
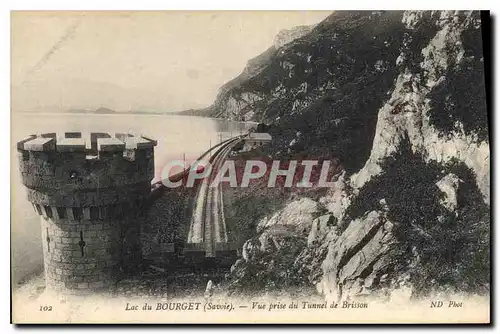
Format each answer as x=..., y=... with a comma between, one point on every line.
x=89, y=191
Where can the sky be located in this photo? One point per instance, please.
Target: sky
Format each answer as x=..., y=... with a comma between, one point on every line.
x=166, y=61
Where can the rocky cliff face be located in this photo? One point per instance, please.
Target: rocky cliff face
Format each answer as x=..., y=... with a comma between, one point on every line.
x=286, y=36
x=399, y=98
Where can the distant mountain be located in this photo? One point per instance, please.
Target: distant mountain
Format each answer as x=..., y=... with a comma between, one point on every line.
x=103, y=110
x=63, y=93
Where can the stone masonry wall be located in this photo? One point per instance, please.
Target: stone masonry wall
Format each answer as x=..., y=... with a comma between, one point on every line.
x=89, y=195
x=80, y=254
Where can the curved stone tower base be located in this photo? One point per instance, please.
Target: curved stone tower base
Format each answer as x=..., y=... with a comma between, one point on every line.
x=80, y=254
x=90, y=195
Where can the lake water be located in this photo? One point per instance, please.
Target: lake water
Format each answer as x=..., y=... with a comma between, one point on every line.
x=177, y=136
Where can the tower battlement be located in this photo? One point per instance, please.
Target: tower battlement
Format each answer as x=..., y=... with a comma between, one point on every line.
x=94, y=146
x=50, y=163
x=89, y=191
x=93, y=143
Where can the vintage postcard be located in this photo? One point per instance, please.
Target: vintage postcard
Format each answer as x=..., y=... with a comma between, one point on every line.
x=250, y=167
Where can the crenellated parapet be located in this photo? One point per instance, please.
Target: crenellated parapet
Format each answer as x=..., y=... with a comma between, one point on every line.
x=53, y=165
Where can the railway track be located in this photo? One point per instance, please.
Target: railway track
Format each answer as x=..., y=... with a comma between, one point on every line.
x=208, y=232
